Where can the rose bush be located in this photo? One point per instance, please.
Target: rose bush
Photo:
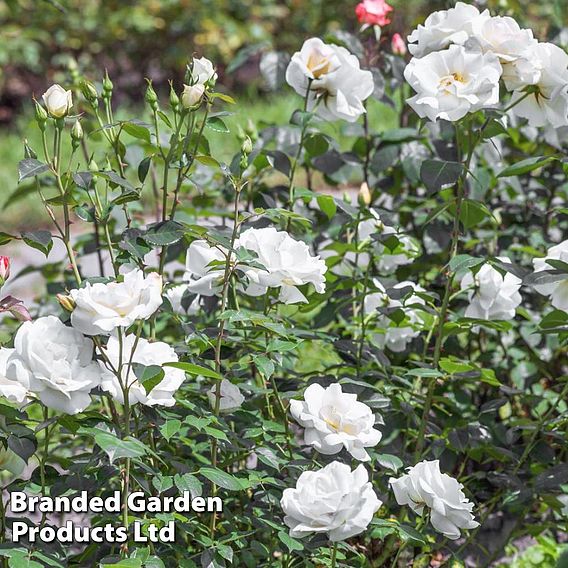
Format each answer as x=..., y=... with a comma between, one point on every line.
x=248, y=332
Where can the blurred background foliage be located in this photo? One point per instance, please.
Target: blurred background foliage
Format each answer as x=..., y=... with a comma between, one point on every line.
x=134, y=39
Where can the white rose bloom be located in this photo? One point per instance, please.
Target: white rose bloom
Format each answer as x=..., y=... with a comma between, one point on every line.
x=54, y=362
x=14, y=391
x=192, y=95
x=396, y=337
x=332, y=500
x=334, y=420
x=557, y=291
x=148, y=354
x=58, y=101
x=231, y=396
x=451, y=83
x=493, y=296
x=202, y=278
x=287, y=263
x=338, y=84
x=425, y=486
x=203, y=71
x=175, y=296
x=445, y=27
x=101, y=308
x=544, y=66
x=502, y=36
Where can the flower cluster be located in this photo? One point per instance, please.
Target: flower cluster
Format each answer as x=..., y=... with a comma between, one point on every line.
x=460, y=56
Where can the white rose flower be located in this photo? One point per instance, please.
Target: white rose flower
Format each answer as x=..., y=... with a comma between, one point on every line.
x=14, y=391
x=338, y=84
x=451, y=83
x=425, y=486
x=502, y=36
x=203, y=71
x=202, y=278
x=231, y=396
x=494, y=296
x=543, y=67
x=145, y=353
x=101, y=308
x=287, y=262
x=332, y=500
x=58, y=101
x=192, y=95
x=557, y=291
x=334, y=420
x=445, y=27
x=396, y=337
x=54, y=362
x=175, y=296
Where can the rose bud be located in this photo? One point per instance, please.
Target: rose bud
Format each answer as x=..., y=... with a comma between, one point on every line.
x=192, y=95
x=66, y=302
x=4, y=269
x=364, y=194
x=57, y=101
x=398, y=45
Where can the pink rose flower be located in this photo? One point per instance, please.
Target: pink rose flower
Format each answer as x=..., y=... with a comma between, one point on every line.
x=373, y=12
x=4, y=269
x=398, y=45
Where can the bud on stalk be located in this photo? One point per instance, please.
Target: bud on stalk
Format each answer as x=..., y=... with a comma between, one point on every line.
x=66, y=302
x=4, y=269
x=151, y=96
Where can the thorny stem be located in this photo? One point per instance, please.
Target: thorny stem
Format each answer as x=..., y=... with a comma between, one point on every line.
x=219, y=340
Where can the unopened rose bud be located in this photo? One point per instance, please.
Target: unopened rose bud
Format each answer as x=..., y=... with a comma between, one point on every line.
x=251, y=130
x=66, y=302
x=246, y=147
x=151, y=96
x=174, y=99
x=58, y=101
x=364, y=197
x=77, y=131
x=89, y=92
x=107, y=86
x=398, y=45
x=192, y=95
x=40, y=115
x=4, y=269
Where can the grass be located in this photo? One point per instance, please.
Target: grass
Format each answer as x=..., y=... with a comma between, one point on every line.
x=27, y=213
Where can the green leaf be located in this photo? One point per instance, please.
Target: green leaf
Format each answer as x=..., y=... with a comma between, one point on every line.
x=169, y=428
x=223, y=479
x=137, y=129
x=526, y=166
x=143, y=168
x=188, y=482
x=216, y=124
x=5, y=238
x=208, y=161
x=316, y=144
x=436, y=173
x=327, y=205
x=30, y=167
x=390, y=462
x=115, y=179
x=473, y=212
x=464, y=261
x=149, y=376
x=264, y=365
x=162, y=482
x=164, y=233
x=291, y=543
x=40, y=240
x=195, y=370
